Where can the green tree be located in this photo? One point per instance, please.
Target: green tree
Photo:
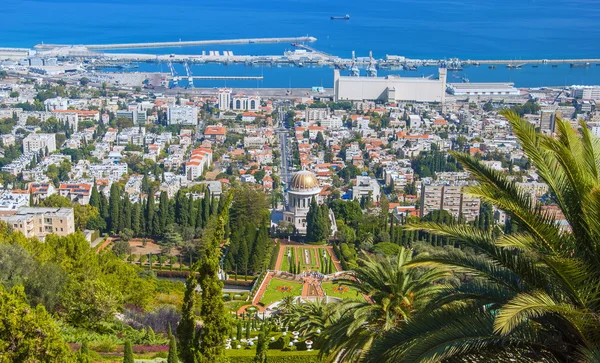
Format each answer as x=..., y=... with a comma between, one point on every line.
x=173, y=356
x=114, y=207
x=128, y=353
x=531, y=294
x=28, y=334
x=83, y=355
x=186, y=330
x=395, y=293
x=212, y=310
x=261, y=349
x=317, y=222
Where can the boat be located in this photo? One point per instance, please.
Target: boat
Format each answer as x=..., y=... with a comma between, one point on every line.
x=492, y=67
x=345, y=17
x=514, y=66
x=580, y=65
x=534, y=66
x=554, y=65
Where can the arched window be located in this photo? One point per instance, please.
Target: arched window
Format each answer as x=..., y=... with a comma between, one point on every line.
x=238, y=105
x=252, y=105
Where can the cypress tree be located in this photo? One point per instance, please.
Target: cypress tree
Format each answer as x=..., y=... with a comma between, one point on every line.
x=171, y=214
x=125, y=220
x=128, y=353
x=136, y=222
x=186, y=330
x=95, y=197
x=312, y=222
x=238, y=335
x=172, y=358
x=104, y=208
x=261, y=349
x=150, y=210
x=248, y=329
x=114, y=206
x=213, y=310
x=191, y=220
x=205, y=208
x=163, y=213
x=198, y=215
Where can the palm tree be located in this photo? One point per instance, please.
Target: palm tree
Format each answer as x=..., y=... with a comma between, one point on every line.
x=532, y=295
x=393, y=294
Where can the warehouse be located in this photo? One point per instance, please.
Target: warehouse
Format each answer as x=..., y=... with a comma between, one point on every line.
x=390, y=88
x=483, y=89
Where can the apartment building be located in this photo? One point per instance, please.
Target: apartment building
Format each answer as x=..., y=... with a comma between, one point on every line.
x=450, y=198
x=37, y=142
x=40, y=222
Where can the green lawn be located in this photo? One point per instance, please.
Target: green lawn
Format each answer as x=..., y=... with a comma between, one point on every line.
x=285, y=263
x=272, y=295
x=350, y=294
x=312, y=262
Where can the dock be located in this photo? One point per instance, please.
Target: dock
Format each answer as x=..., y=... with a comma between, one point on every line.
x=223, y=78
x=180, y=43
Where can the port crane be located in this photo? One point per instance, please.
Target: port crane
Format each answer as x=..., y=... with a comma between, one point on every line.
x=354, y=72
x=188, y=71
x=558, y=96
x=371, y=70
x=173, y=75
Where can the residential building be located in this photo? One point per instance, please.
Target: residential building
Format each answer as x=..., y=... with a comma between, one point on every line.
x=183, y=115
x=366, y=187
x=450, y=198
x=37, y=142
x=76, y=192
x=224, y=99
x=215, y=133
x=39, y=222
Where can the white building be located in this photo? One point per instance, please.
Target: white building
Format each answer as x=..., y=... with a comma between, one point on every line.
x=304, y=186
x=224, y=99
x=332, y=123
x=483, y=89
x=37, y=142
x=366, y=187
x=39, y=222
x=390, y=88
x=183, y=115
x=586, y=92
x=242, y=102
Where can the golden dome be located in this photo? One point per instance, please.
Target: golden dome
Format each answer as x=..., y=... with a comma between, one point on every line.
x=304, y=180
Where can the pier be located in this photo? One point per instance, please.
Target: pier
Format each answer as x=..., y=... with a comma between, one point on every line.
x=223, y=78
x=180, y=43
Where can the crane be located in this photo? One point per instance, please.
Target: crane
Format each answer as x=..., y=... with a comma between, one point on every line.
x=188, y=71
x=354, y=72
x=173, y=75
x=371, y=70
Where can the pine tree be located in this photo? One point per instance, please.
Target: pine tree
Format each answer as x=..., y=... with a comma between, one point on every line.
x=261, y=348
x=212, y=310
x=128, y=353
x=172, y=358
x=198, y=215
x=186, y=330
x=248, y=329
x=243, y=256
x=114, y=207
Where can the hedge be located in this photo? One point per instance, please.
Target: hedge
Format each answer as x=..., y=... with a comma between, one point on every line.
x=274, y=255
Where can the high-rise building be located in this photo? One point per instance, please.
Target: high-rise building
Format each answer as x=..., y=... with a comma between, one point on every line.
x=450, y=198
x=37, y=142
x=547, y=121
x=586, y=92
x=224, y=99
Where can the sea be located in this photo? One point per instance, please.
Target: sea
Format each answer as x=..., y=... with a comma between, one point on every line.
x=423, y=29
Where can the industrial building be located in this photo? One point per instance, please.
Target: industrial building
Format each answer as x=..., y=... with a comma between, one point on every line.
x=483, y=89
x=390, y=88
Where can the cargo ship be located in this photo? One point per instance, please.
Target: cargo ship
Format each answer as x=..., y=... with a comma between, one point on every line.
x=345, y=17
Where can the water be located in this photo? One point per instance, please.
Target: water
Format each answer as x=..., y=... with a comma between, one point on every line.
x=468, y=29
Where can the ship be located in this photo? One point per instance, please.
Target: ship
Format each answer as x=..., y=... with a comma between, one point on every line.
x=345, y=17
x=514, y=66
x=492, y=67
x=580, y=65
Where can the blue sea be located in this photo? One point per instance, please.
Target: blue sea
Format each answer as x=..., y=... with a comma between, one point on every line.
x=467, y=29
